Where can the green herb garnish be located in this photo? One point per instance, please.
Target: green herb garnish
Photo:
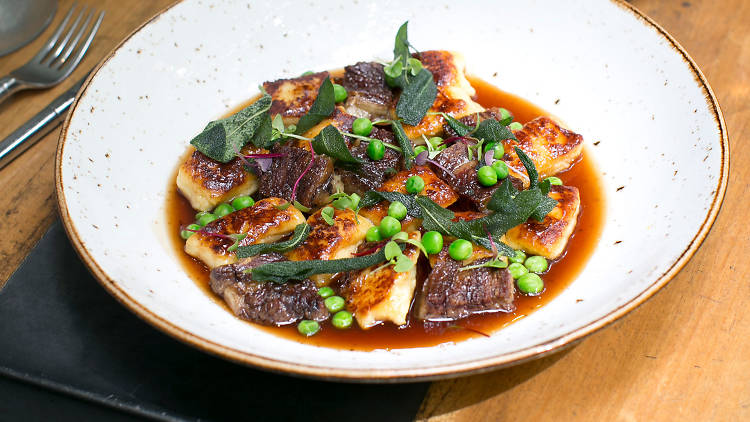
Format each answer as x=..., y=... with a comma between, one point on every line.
x=496, y=262
x=281, y=272
x=417, y=83
x=372, y=197
x=322, y=107
x=407, y=150
x=298, y=236
x=416, y=98
x=459, y=127
x=327, y=215
x=331, y=143
x=221, y=139
x=492, y=130
x=301, y=207
x=237, y=238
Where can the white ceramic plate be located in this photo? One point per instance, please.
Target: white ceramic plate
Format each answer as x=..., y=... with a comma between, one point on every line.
x=609, y=72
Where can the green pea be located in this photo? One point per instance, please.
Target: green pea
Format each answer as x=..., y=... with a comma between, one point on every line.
x=206, y=218
x=419, y=149
x=517, y=270
x=373, y=234
x=519, y=257
x=242, y=202
x=325, y=292
x=501, y=169
x=515, y=126
x=389, y=226
x=342, y=320
x=376, y=149
x=536, y=264
x=397, y=210
x=334, y=303
x=487, y=176
x=497, y=148
x=308, y=328
x=222, y=210
x=291, y=128
x=432, y=242
x=201, y=214
x=554, y=181
x=185, y=234
x=362, y=126
x=530, y=284
x=460, y=249
x=339, y=93
x=414, y=184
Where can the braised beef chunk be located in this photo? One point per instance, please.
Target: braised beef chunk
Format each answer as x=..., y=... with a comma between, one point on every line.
x=449, y=294
x=266, y=303
x=279, y=180
x=463, y=173
x=371, y=174
x=369, y=95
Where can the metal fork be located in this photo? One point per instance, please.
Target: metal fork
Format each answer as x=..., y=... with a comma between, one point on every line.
x=55, y=61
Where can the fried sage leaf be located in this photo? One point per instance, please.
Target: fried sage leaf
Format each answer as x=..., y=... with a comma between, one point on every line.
x=323, y=106
x=298, y=236
x=283, y=271
x=221, y=139
x=407, y=150
x=331, y=143
x=459, y=127
x=492, y=130
x=372, y=197
x=416, y=98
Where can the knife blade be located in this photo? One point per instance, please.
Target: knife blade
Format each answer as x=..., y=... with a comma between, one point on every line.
x=41, y=124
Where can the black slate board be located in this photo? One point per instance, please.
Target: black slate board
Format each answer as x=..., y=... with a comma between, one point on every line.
x=68, y=349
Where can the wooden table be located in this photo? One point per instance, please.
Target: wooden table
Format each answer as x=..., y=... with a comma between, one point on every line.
x=681, y=356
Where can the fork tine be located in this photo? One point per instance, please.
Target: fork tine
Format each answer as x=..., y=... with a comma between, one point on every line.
x=60, y=60
x=70, y=65
x=53, y=39
x=62, y=44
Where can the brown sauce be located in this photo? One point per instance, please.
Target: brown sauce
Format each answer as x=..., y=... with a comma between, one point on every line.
x=583, y=175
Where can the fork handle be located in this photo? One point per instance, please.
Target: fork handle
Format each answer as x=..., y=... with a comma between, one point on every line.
x=8, y=86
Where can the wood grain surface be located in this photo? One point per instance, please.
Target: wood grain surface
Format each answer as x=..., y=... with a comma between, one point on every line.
x=681, y=356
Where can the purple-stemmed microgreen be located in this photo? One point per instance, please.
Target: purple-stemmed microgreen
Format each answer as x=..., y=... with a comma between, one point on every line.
x=497, y=261
x=489, y=157
x=423, y=158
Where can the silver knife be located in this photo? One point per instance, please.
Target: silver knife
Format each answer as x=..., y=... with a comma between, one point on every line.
x=38, y=126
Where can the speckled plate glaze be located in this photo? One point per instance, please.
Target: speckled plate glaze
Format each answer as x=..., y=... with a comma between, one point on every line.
x=646, y=111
